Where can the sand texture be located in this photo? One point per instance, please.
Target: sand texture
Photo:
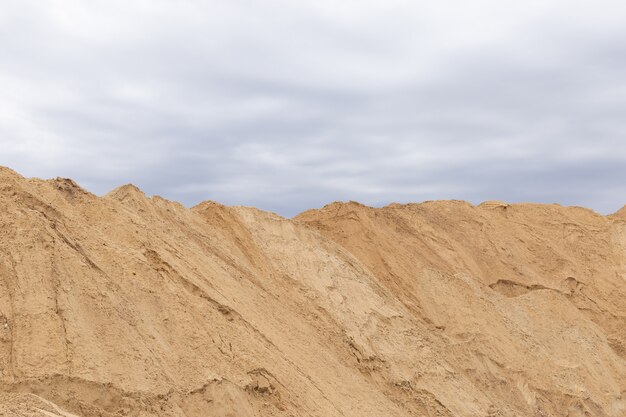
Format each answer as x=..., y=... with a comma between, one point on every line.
x=129, y=305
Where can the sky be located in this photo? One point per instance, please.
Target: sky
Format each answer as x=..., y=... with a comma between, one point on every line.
x=290, y=105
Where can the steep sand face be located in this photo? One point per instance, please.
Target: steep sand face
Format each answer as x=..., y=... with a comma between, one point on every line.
x=135, y=305
x=531, y=298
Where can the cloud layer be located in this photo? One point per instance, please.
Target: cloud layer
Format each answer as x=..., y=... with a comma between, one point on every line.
x=290, y=105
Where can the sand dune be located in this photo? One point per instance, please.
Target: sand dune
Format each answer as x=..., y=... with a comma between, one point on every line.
x=129, y=305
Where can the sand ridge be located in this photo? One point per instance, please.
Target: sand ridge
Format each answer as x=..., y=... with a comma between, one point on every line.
x=130, y=305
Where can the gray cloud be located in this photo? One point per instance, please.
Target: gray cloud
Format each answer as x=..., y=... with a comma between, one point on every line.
x=288, y=106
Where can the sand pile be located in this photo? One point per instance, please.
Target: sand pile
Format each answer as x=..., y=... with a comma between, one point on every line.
x=128, y=305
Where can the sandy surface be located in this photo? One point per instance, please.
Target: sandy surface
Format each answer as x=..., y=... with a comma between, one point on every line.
x=128, y=305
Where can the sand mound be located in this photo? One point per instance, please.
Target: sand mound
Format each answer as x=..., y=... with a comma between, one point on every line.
x=129, y=305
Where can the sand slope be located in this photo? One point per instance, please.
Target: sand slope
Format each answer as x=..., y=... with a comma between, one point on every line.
x=128, y=305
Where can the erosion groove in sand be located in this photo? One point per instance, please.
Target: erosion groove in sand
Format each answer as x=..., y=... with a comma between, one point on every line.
x=129, y=305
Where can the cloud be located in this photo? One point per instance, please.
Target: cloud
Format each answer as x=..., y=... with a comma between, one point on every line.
x=288, y=106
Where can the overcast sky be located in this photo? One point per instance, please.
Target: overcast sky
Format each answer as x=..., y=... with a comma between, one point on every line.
x=289, y=105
